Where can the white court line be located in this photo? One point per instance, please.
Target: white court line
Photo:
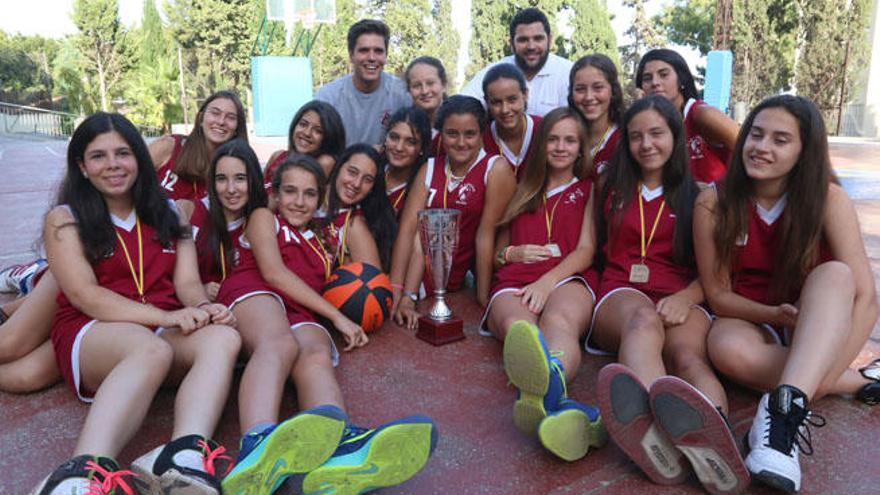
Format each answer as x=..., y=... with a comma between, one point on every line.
x=53, y=152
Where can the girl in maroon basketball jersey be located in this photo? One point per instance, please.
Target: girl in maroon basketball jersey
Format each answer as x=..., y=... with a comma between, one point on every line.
x=182, y=161
x=463, y=177
x=649, y=308
x=132, y=316
x=539, y=293
x=406, y=149
x=594, y=91
x=316, y=130
x=426, y=81
x=784, y=268
x=512, y=131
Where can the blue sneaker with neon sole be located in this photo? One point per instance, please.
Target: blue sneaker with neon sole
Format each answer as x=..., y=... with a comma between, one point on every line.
x=298, y=445
x=369, y=459
x=538, y=376
x=572, y=429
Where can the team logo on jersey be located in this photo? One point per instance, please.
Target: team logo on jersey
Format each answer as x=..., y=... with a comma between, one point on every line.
x=170, y=250
x=695, y=143
x=464, y=191
x=572, y=197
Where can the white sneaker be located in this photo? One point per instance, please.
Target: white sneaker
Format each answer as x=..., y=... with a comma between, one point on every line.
x=86, y=475
x=779, y=431
x=20, y=278
x=184, y=466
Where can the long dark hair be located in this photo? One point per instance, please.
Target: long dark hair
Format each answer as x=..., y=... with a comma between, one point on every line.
x=333, y=141
x=192, y=164
x=807, y=183
x=604, y=65
x=533, y=186
x=419, y=124
x=624, y=174
x=378, y=211
x=686, y=85
x=216, y=231
x=93, y=222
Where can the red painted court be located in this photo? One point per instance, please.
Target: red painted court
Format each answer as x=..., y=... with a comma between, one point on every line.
x=462, y=385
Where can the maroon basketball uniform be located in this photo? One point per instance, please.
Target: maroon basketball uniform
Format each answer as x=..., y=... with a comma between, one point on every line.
x=493, y=144
x=602, y=155
x=210, y=269
x=436, y=142
x=336, y=231
x=302, y=253
x=708, y=162
x=175, y=186
x=466, y=194
x=114, y=273
x=397, y=198
x=623, y=248
x=565, y=207
x=270, y=171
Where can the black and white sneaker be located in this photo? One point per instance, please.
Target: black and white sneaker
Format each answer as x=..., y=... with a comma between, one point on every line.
x=779, y=431
x=87, y=475
x=870, y=393
x=184, y=466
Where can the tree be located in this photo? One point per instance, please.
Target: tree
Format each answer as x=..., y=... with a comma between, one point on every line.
x=831, y=32
x=330, y=54
x=689, y=23
x=764, y=34
x=446, y=39
x=154, y=43
x=591, y=31
x=101, y=43
x=643, y=35
x=70, y=80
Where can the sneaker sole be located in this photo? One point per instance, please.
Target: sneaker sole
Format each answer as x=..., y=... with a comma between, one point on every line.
x=769, y=478
x=298, y=445
x=699, y=431
x=527, y=368
x=171, y=481
x=626, y=412
x=394, y=454
x=570, y=434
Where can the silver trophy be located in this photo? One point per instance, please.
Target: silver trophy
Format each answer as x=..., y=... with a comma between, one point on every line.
x=438, y=231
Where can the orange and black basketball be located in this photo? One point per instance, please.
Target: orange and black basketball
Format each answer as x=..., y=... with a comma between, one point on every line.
x=362, y=292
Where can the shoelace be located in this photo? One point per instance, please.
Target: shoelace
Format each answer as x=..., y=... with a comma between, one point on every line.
x=111, y=480
x=793, y=431
x=213, y=455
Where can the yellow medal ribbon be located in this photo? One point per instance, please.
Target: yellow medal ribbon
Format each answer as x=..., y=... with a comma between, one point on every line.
x=595, y=149
x=222, y=263
x=137, y=277
x=322, y=253
x=642, y=218
x=344, y=232
x=548, y=217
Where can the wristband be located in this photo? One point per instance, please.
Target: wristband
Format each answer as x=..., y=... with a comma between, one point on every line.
x=396, y=286
x=411, y=295
x=199, y=305
x=507, y=254
x=501, y=257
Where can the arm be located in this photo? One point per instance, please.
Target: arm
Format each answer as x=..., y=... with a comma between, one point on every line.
x=405, y=313
x=716, y=283
x=406, y=234
x=360, y=242
x=260, y=232
x=502, y=241
x=76, y=278
x=841, y=229
x=536, y=293
x=674, y=308
x=160, y=150
x=717, y=128
x=499, y=189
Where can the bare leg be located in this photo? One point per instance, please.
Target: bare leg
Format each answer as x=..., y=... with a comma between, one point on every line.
x=505, y=310
x=564, y=320
x=126, y=364
x=203, y=364
x=313, y=372
x=685, y=356
x=266, y=335
x=628, y=321
x=30, y=320
x=31, y=373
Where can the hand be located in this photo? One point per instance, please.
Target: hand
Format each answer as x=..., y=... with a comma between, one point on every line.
x=673, y=310
x=534, y=296
x=353, y=334
x=406, y=314
x=528, y=253
x=220, y=314
x=786, y=316
x=212, y=288
x=187, y=319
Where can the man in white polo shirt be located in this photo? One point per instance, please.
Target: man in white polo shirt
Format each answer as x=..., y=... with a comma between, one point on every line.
x=546, y=73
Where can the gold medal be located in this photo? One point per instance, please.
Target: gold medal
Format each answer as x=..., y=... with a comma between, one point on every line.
x=555, y=252
x=639, y=273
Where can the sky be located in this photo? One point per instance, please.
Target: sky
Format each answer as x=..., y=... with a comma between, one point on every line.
x=54, y=19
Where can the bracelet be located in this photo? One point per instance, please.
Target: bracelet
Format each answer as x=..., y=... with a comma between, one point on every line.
x=199, y=305
x=396, y=286
x=411, y=296
x=507, y=254
x=501, y=257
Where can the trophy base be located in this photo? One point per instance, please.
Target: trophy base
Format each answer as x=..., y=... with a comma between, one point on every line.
x=440, y=332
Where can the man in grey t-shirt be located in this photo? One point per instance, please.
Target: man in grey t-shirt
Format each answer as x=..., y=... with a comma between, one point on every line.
x=367, y=97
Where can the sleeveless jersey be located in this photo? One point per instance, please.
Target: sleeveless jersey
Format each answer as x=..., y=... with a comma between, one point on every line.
x=623, y=249
x=606, y=150
x=114, y=273
x=175, y=186
x=493, y=144
x=466, y=195
x=299, y=252
x=199, y=222
x=334, y=231
x=708, y=162
x=436, y=142
x=397, y=198
x=755, y=259
x=270, y=170
x=566, y=205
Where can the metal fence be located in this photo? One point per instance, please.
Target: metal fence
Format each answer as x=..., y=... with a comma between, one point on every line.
x=22, y=120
